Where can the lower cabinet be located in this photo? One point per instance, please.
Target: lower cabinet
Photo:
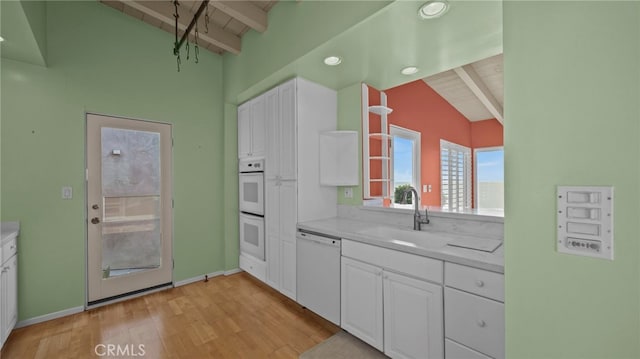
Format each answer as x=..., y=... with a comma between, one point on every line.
x=412, y=317
x=394, y=313
x=361, y=301
x=9, y=297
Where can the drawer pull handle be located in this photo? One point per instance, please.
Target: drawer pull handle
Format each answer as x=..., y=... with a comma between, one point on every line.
x=479, y=283
x=481, y=323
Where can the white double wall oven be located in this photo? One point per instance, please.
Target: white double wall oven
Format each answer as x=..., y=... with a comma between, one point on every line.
x=251, y=193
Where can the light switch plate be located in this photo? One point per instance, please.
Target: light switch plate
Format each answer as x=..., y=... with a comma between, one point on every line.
x=67, y=192
x=585, y=221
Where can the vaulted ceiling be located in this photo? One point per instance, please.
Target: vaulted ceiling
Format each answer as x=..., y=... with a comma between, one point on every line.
x=476, y=89
x=228, y=20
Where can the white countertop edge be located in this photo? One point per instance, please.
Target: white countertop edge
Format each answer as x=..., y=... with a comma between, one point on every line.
x=492, y=262
x=9, y=230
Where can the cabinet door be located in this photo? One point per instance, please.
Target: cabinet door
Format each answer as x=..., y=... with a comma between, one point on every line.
x=288, y=276
x=287, y=142
x=361, y=301
x=12, y=294
x=272, y=230
x=413, y=318
x=258, y=126
x=288, y=219
x=272, y=122
x=4, y=293
x=244, y=130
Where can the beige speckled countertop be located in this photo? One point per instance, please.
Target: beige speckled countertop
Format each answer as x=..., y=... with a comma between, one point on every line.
x=425, y=243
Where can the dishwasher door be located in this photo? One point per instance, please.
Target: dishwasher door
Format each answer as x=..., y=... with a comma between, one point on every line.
x=318, y=277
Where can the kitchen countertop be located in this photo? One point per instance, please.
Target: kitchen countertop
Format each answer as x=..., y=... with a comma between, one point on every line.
x=9, y=230
x=425, y=243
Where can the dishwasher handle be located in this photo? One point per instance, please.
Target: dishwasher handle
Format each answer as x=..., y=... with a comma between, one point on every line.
x=326, y=241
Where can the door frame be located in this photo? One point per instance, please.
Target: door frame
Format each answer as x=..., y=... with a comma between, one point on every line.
x=138, y=293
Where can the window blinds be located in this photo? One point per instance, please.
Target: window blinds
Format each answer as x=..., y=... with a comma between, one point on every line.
x=455, y=174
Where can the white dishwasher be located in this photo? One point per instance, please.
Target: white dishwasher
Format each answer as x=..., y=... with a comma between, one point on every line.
x=318, y=274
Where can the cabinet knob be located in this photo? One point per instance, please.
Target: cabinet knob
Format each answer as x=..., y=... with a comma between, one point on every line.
x=379, y=273
x=479, y=283
x=386, y=276
x=95, y=220
x=481, y=323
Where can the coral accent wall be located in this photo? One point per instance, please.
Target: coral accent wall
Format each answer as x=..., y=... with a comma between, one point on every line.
x=487, y=133
x=416, y=106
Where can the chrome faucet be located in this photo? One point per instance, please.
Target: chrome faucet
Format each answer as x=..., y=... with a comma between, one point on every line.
x=418, y=219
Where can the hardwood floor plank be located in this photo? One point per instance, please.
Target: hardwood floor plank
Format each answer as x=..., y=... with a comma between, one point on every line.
x=227, y=317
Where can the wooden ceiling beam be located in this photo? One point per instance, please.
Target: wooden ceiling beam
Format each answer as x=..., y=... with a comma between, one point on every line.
x=243, y=11
x=163, y=11
x=471, y=78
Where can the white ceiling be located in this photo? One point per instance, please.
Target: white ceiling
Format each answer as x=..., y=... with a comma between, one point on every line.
x=488, y=99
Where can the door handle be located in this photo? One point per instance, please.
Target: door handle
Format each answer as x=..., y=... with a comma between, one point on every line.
x=95, y=220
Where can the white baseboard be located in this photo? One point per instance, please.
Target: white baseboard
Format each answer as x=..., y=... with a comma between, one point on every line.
x=233, y=271
x=50, y=316
x=210, y=275
x=197, y=279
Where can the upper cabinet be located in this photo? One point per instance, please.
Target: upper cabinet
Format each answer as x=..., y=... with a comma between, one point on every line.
x=251, y=128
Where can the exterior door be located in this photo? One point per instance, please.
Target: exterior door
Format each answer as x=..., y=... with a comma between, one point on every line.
x=129, y=206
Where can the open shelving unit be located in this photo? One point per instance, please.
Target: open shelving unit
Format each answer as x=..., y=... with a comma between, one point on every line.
x=375, y=142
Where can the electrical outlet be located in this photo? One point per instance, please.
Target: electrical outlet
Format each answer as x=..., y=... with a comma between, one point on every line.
x=348, y=192
x=67, y=192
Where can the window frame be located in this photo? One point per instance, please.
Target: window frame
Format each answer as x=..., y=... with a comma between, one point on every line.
x=416, y=137
x=475, y=169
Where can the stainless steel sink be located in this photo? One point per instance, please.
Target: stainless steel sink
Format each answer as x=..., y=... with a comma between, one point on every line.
x=406, y=237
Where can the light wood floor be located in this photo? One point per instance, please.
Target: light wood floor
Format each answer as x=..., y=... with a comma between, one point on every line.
x=227, y=317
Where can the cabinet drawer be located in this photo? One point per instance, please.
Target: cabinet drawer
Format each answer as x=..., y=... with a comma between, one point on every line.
x=473, y=280
x=9, y=249
x=474, y=321
x=454, y=350
x=399, y=262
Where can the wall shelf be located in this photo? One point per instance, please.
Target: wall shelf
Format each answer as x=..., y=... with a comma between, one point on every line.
x=380, y=110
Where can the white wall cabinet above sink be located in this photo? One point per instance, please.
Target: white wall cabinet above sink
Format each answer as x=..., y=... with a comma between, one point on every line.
x=339, y=158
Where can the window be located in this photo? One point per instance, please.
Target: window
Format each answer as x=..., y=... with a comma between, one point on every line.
x=489, y=173
x=455, y=176
x=405, y=160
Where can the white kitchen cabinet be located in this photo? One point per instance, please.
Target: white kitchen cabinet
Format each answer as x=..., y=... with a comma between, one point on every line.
x=388, y=308
x=412, y=317
x=474, y=312
x=361, y=301
x=288, y=220
x=295, y=113
x=251, y=128
x=8, y=289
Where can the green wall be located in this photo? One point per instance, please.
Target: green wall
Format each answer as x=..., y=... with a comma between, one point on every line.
x=571, y=118
x=101, y=61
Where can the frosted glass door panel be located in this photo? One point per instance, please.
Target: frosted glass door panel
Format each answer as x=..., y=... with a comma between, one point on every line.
x=131, y=186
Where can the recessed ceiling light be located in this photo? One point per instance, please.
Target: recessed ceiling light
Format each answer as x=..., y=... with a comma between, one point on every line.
x=433, y=9
x=332, y=60
x=409, y=70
